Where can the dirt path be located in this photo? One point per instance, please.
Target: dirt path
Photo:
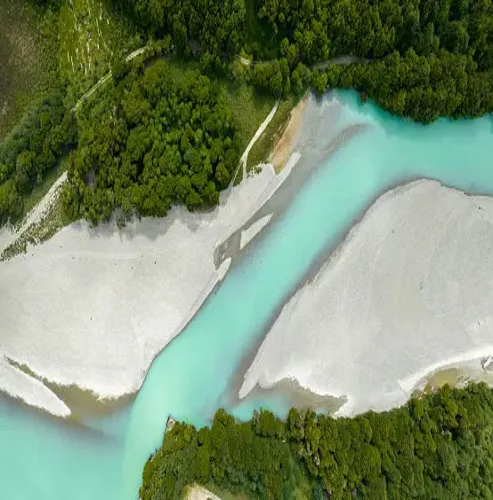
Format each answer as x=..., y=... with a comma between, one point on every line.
x=105, y=78
x=255, y=138
x=340, y=61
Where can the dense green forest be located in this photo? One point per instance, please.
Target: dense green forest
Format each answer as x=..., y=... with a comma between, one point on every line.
x=438, y=446
x=422, y=58
x=139, y=146
x=215, y=27
x=152, y=141
x=33, y=149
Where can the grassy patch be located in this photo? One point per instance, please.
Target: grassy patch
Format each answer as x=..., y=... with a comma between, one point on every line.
x=51, y=222
x=178, y=68
x=262, y=149
x=26, y=62
x=250, y=107
x=92, y=34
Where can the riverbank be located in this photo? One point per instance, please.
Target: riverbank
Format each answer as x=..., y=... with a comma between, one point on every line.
x=196, y=492
x=404, y=296
x=98, y=304
x=316, y=456
x=283, y=147
x=92, y=306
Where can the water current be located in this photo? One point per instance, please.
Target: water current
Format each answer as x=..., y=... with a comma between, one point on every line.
x=42, y=458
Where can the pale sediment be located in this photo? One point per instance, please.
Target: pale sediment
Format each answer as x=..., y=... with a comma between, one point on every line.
x=457, y=375
x=91, y=308
x=408, y=293
x=285, y=145
x=85, y=402
x=253, y=229
x=30, y=391
x=87, y=311
x=197, y=492
x=321, y=133
x=296, y=396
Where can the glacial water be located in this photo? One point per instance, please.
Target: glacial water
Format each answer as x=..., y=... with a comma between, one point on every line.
x=43, y=459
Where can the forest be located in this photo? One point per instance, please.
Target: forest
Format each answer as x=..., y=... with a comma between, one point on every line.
x=447, y=43
x=438, y=446
x=32, y=149
x=148, y=141
x=151, y=142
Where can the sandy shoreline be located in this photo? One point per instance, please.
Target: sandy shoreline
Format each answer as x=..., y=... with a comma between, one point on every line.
x=394, y=301
x=286, y=143
x=88, y=311
x=19, y=385
x=125, y=295
x=197, y=492
x=92, y=307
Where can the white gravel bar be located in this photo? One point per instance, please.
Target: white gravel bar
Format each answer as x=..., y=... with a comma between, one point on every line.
x=93, y=307
x=408, y=292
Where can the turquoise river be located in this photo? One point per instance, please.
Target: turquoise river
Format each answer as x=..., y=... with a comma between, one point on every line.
x=41, y=458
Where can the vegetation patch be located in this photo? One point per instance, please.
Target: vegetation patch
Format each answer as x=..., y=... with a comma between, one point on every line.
x=40, y=190
x=263, y=148
x=89, y=34
x=420, y=61
x=32, y=150
x=161, y=135
x=249, y=106
x=49, y=223
x=259, y=39
x=26, y=59
x=93, y=34
x=249, y=460
x=437, y=446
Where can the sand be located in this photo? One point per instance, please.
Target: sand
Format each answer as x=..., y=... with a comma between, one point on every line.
x=17, y=384
x=285, y=145
x=92, y=307
x=253, y=230
x=87, y=311
x=197, y=492
x=408, y=293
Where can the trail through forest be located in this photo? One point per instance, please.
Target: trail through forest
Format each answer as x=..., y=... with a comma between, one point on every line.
x=105, y=78
x=258, y=133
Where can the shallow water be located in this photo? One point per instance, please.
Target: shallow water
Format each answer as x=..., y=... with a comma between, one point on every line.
x=42, y=459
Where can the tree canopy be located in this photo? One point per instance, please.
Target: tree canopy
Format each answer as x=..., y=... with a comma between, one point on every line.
x=32, y=149
x=155, y=139
x=447, y=43
x=217, y=26
x=436, y=447
x=328, y=28
x=150, y=139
